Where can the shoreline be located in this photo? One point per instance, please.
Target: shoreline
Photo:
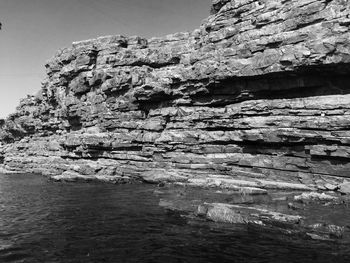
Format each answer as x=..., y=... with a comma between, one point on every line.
x=289, y=212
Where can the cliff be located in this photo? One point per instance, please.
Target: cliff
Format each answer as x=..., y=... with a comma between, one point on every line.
x=259, y=95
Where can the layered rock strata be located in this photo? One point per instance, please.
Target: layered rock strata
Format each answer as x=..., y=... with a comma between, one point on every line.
x=258, y=96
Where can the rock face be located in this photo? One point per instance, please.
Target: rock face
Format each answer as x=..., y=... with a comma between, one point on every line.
x=258, y=95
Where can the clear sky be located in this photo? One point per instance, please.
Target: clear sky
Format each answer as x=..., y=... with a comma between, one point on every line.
x=33, y=30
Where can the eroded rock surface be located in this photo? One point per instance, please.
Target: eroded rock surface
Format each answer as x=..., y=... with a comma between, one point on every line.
x=258, y=96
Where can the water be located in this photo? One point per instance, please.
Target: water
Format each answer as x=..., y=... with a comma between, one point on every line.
x=42, y=221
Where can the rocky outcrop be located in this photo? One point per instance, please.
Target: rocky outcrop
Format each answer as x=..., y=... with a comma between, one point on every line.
x=258, y=96
x=302, y=216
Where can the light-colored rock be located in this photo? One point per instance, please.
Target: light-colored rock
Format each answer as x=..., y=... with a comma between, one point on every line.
x=313, y=196
x=237, y=214
x=325, y=231
x=344, y=188
x=331, y=187
x=223, y=214
x=162, y=176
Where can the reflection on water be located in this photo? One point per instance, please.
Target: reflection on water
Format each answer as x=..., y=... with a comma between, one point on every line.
x=41, y=221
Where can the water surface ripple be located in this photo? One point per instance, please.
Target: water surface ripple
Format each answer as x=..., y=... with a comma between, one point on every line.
x=42, y=221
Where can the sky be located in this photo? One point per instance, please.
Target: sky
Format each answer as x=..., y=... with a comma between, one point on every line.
x=33, y=30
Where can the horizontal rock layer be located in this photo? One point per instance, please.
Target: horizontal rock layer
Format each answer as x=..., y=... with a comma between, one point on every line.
x=258, y=94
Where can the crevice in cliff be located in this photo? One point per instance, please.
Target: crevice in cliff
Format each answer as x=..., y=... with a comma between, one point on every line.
x=156, y=65
x=303, y=84
x=276, y=145
x=75, y=123
x=218, y=127
x=302, y=169
x=306, y=24
x=333, y=160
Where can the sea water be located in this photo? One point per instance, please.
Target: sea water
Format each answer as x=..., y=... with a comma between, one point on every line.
x=43, y=221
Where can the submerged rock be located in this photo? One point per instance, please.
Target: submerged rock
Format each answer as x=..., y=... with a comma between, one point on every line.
x=252, y=191
x=223, y=214
x=266, y=213
x=71, y=176
x=313, y=196
x=325, y=231
x=236, y=214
